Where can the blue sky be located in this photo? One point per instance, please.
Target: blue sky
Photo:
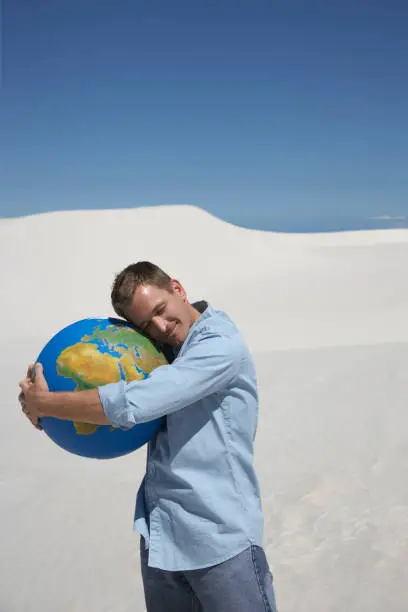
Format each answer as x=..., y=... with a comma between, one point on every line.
x=255, y=110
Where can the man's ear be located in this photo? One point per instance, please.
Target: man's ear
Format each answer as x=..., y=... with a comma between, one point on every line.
x=178, y=289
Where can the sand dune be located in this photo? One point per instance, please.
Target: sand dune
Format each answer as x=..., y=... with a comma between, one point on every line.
x=325, y=316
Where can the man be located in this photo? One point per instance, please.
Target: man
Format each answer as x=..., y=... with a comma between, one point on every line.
x=198, y=509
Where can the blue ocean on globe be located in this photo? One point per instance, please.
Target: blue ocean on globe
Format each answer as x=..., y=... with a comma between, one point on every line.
x=90, y=353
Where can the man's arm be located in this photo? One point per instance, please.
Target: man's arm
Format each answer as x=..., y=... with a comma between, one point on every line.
x=82, y=406
x=208, y=366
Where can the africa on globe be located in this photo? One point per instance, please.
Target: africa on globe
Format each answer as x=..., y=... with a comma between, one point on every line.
x=88, y=354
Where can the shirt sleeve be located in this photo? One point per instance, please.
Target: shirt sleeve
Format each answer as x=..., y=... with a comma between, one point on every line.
x=208, y=365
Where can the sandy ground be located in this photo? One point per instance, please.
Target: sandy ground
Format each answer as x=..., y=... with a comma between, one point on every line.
x=325, y=317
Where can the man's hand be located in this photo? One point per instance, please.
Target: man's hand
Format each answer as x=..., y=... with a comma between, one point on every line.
x=33, y=388
x=38, y=401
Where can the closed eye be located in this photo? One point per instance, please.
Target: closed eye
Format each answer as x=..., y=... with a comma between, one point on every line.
x=159, y=310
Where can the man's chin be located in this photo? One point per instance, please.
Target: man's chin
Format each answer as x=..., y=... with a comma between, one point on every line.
x=169, y=341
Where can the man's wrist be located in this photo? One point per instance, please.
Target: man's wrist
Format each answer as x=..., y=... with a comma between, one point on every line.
x=46, y=407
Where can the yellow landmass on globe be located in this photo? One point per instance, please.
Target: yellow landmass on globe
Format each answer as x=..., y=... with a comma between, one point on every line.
x=88, y=367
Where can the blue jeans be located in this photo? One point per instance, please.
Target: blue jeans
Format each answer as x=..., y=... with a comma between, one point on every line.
x=241, y=584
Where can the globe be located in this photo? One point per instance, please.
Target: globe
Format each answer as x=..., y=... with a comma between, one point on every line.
x=87, y=354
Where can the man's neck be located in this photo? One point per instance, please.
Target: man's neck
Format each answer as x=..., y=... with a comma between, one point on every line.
x=198, y=308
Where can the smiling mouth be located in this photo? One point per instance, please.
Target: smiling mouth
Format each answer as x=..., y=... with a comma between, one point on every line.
x=171, y=333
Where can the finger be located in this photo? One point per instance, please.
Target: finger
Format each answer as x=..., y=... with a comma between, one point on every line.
x=33, y=420
x=24, y=385
x=39, y=371
x=40, y=378
x=28, y=415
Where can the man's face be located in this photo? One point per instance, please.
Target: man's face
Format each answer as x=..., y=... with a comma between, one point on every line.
x=166, y=317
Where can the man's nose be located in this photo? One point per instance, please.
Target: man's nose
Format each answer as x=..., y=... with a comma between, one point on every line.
x=159, y=324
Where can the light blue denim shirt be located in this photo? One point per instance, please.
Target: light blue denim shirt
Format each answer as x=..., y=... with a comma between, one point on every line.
x=199, y=502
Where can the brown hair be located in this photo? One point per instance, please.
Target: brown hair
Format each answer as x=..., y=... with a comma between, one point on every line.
x=134, y=275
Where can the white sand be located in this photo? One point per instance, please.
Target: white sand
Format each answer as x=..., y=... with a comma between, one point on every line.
x=326, y=318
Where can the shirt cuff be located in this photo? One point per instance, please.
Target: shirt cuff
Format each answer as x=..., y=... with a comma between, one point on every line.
x=113, y=400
